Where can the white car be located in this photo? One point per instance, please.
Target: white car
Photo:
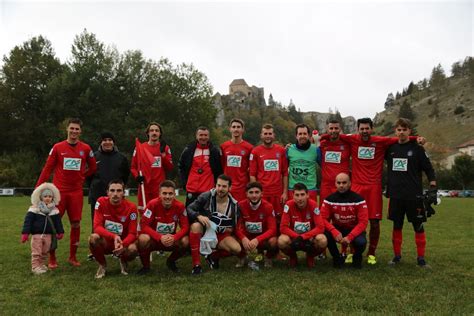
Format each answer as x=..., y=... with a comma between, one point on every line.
x=443, y=193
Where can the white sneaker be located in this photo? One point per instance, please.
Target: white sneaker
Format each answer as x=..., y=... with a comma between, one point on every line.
x=123, y=267
x=268, y=263
x=241, y=263
x=39, y=270
x=100, y=272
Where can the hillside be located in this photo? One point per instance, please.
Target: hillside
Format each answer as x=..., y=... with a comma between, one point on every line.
x=445, y=116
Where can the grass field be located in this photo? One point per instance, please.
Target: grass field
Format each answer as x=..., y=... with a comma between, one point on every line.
x=406, y=289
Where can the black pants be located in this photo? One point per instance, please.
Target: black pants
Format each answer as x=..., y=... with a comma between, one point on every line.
x=359, y=243
x=191, y=197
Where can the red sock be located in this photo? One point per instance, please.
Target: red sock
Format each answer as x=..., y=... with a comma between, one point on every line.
x=397, y=238
x=52, y=256
x=98, y=252
x=242, y=253
x=74, y=241
x=374, y=236
x=194, y=244
x=145, y=258
x=272, y=252
x=420, y=240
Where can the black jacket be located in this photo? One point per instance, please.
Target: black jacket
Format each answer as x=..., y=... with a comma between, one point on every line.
x=186, y=161
x=35, y=224
x=110, y=166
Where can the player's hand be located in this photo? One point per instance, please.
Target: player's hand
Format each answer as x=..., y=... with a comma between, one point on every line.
x=297, y=243
x=338, y=238
x=59, y=236
x=167, y=240
x=118, y=251
x=24, y=238
x=253, y=244
x=287, y=146
x=117, y=241
x=421, y=140
x=345, y=241
x=140, y=179
x=204, y=220
x=283, y=198
x=246, y=243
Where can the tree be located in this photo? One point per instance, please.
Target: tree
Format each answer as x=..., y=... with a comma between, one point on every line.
x=390, y=101
x=438, y=78
x=457, y=70
x=406, y=111
x=295, y=115
x=271, y=102
x=463, y=169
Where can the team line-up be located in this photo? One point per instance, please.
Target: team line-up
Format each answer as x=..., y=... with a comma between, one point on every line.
x=239, y=198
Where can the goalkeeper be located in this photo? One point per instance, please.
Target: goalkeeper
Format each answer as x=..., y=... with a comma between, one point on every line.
x=405, y=162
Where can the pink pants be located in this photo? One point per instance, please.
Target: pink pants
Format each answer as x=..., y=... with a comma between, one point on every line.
x=40, y=245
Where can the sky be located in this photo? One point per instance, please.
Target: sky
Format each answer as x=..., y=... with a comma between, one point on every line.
x=321, y=54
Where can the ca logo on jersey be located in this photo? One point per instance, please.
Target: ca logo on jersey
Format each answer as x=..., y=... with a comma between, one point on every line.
x=73, y=164
x=157, y=162
x=270, y=165
x=400, y=164
x=332, y=157
x=234, y=161
x=366, y=153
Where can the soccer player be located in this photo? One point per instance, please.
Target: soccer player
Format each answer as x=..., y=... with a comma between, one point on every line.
x=199, y=165
x=335, y=159
x=71, y=161
x=345, y=217
x=368, y=154
x=269, y=166
x=218, y=206
x=235, y=159
x=162, y=163
x=302, y=227
x=405, y=162
x=159, y=224
x=256, y=227
x=115, y=228
x=302, y=159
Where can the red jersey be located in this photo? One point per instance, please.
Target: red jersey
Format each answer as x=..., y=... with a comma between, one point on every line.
x=345, y=210
x=268, y=166
x=235, y=161
x=306, y=222
x=111, y=220
x=160, y=165
x=335, y=159
x=68, y=162
x=158, y=221
x=201, y=178
x=259, y=223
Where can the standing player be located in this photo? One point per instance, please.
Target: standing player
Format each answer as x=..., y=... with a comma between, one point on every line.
x=302, y=159
x=71, y=161
x=368, y=154
x=115, y=228
x=235, y=159
x=159, y=225
x=256, y=227
x=405, y=162
x=162, y=163
x=345, y=219
x=199, y=165
x=218, y=206
x=302, y=227
x=269, y=166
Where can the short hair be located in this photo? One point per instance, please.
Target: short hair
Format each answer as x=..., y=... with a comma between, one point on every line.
x=168, y=184
x=365, y=120
x=237, y=120
x=154, y=123
x=267, y=126
x=302, y=126
x=403, y=122
x=333, y=121
x=225, y=178
x=254, y=184
x=74, y=120
x=116, y=181
x=202, y=128
x=300, y=186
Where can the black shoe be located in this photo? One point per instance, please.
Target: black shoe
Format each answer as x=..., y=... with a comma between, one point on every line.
x=357, y=261
x=197, y=270
x=90, y=257
x=396, y=260
x=338, y=262
x=213, y=263
x=172, y=266
x=420, y=261
x=143, y=271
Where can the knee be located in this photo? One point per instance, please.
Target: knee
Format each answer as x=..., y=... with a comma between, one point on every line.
x=76, y=224
x=196, y=228
x=235, y=248
x=273, y=242
x=360, y=241
x=132, y=250
x=418, y=227
x=284, y=241
x=143, y=241
x=320, y=241
x=183, y=242
x=94, y=239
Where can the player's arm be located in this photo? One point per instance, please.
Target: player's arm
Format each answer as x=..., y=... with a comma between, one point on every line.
x=124, y=169
x=183, y=225
x=240, y=230
x=271, y=228
x=183, y=168
x=145, y=224
x=99, y=224
x=253, y=166
x=285, y=178
x=318, y=228
x=326, y=214
x=285, y=225
x=195, y=209
x=427, y=167
x=318, y=156
x=48, y=167
x=362, y=221
x=91, y=164
x=132, y=227
x=167, y=159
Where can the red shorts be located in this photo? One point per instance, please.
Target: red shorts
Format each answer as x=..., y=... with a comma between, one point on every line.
x=157, y=245
x=275, y=201
x=326, y=190
x=149, y=195
x=71, y=202
x=313, y=195
x=372, y=194
x=239, y=195
x=221, y=236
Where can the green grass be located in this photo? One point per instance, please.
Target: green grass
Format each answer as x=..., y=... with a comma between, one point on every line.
x=405, y=289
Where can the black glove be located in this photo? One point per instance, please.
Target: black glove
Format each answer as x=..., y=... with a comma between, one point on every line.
x=308, y=246
x=432, y=196
x=297, y=243
x=140, y=179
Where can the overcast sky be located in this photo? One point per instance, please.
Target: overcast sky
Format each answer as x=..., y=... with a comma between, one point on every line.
x=345, y=55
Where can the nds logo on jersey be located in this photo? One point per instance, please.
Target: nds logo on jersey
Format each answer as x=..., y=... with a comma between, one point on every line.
x=234, y=161
x=270, y=165
x=73, y=164
x=400, y=164
x=301, y=227
x=157, y=162
x=332, y=157
x=366, y=152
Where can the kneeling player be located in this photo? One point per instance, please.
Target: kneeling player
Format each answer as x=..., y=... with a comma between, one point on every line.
x=115, y=228
x=302, y=227
x=345, y=217
x=218, y=206
x=158, y=228
x=256, y=227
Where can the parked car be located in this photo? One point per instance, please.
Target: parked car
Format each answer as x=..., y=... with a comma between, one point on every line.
x=453, y=193
x=466, y=193
x=443, y=193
